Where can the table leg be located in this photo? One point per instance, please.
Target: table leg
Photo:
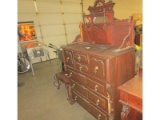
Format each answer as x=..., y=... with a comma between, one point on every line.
x=125, y=112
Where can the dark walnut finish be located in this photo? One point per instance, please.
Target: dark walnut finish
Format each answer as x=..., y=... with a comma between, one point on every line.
x=100, y=27
x=131, y=99
x=94, y=78
x=99, y=60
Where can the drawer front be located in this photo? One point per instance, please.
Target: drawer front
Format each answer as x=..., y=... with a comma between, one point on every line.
x=82, y=68
x=81, y=58
x=68, y=57
x=79, y=88
x=79, y=78
x=98, y=101
x=99, y=115
x=135, y=101
x=95, y=86
x=97, y=68
x=79, y=99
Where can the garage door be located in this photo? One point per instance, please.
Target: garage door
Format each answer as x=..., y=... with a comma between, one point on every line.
x=56, y=21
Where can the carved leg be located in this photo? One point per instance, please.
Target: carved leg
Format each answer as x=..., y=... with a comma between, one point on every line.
x=111, y=117
x=125, y=112
x=71, y=101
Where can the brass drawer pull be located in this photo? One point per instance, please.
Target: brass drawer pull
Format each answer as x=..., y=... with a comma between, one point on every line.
x=79, y=58
x=75, y=98
x=70, y=74
x=80, y=68
x=99, y=117
x=73, y=85
x=96, y=88
x=67, y=59
x=97, y=102
x=96, y=69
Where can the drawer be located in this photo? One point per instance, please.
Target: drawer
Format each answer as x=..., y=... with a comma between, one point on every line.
x=135, y=101
x=68, y=57
x=82, y=68
x=79, y=78
x=80, y=100
x=131, y=100
x=79, y=88
x=98, y=101
x=99, y=115
x=81, y=58
x=97, y=68
x=95, y=86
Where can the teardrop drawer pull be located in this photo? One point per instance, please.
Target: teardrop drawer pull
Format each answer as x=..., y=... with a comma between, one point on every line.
x=96, y=69
x=99, y=117
x=67, y=59
x=97, y=102
x=73, y=85
x=80, y=68
x=96, y=88
x=75, y=98
x=79, y=58
x=70, y=74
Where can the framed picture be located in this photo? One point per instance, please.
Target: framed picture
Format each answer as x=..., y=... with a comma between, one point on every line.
x=26, y=31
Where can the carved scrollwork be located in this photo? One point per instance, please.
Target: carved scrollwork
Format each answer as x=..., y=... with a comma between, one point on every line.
x=98, y=67
x=98, y=2
x=109, y=89
x=125, y=112
x=111, y=117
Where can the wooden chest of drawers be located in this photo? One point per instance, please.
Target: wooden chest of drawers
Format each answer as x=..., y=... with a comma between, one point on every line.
x=95, y=71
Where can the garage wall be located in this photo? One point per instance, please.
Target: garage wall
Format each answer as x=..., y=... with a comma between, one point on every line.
x=26, y=12
x=56, y=21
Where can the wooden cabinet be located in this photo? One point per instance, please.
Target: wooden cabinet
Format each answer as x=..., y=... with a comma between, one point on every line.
x=99, y=60
x=131, y=99
x=95, y=73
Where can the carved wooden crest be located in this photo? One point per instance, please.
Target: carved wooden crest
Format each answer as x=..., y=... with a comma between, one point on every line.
x=99, y=2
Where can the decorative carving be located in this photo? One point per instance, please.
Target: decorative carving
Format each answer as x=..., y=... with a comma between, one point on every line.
x=69, y=54
x=98, y=66
x=109, y=89
x=111, y=117
x=111, y=31
x=98, y=2
x=125, y=112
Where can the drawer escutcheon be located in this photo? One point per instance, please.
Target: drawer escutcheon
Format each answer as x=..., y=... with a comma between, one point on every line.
x=99, y=116
x=96, y=88
x=97, y=102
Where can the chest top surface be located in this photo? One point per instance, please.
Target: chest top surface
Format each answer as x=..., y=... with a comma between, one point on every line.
x=102, y=50
x=133, y=86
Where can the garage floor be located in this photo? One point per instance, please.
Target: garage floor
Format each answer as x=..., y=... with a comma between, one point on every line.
x=39, y=99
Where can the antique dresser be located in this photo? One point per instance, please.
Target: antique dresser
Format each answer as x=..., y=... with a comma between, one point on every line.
x=95, y=71
x=100, y=59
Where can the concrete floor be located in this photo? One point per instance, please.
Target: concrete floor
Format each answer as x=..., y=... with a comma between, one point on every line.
x=39, y=99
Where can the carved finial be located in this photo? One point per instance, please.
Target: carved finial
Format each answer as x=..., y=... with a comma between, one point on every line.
x=98, y=1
